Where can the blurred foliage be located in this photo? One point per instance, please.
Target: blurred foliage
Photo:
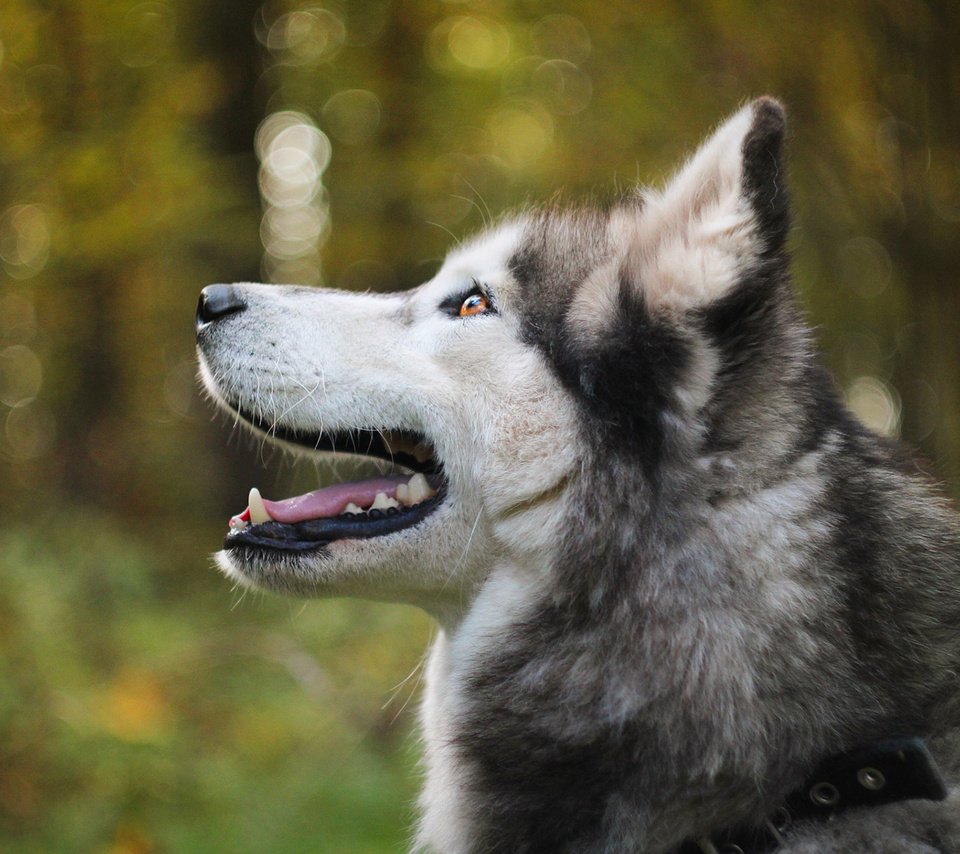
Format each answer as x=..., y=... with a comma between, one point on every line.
x=139, y=717
x=145, y=705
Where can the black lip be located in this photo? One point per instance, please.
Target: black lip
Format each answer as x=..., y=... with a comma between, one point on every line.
x=314, y=534
x=363, y=442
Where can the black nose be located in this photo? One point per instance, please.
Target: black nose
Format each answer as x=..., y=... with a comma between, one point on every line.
x=217, y=301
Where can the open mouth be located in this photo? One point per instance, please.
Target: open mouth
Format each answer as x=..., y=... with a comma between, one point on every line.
x=362, y=509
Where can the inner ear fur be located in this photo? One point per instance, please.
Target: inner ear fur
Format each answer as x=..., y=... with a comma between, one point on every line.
x=722, y=214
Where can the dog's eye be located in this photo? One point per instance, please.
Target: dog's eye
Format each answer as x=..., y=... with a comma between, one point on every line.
x=470, y=302
x=474, y=304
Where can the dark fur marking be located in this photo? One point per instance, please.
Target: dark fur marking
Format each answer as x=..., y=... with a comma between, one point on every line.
x=764, y=178
x=623, y=378
x=550, y=792
x=626, y=382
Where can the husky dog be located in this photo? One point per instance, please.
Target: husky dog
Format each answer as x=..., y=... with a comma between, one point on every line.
x=674, y=575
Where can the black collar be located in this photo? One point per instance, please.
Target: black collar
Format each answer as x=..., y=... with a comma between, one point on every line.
x=896, y=769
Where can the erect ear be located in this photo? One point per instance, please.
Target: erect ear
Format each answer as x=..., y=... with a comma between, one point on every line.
x=722, y=216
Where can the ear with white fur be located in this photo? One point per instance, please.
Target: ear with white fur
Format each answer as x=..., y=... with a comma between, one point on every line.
x=721, y=216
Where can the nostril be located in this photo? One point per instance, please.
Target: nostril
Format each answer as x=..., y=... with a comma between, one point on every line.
x=217, y=301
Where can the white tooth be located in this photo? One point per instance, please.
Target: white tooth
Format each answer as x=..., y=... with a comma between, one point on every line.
x=258, y=510
x=420, y=490
x=415, y=488
x=237, y=524
x=403, y=495
x=352, y=508
x=381, y=502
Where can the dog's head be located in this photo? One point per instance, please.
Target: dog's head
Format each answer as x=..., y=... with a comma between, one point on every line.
x=542, y=349
x=462, y=423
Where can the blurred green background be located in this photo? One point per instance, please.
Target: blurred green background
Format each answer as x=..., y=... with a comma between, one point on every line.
x=149, y=148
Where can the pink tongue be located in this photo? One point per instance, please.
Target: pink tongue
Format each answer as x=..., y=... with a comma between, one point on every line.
x=322, y=503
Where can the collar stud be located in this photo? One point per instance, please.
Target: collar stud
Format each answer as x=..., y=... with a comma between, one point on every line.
x=871, y=779
x=824, y=794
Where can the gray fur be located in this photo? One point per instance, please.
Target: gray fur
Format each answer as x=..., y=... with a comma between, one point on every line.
x=745, y=580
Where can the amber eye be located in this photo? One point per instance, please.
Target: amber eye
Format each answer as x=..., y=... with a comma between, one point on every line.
x=474, y=304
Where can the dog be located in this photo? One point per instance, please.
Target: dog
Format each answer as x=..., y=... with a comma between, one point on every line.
x=687, y=602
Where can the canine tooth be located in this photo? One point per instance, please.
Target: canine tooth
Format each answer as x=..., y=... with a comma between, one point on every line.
x=258, y=511
x=403, y=495
x=419, y=489
x=381, y=502
x=352, y=508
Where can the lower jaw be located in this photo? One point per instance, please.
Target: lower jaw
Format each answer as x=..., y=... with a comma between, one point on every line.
x=316, y=534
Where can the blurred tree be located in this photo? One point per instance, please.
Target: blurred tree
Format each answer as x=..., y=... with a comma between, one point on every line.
x=116, y=214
